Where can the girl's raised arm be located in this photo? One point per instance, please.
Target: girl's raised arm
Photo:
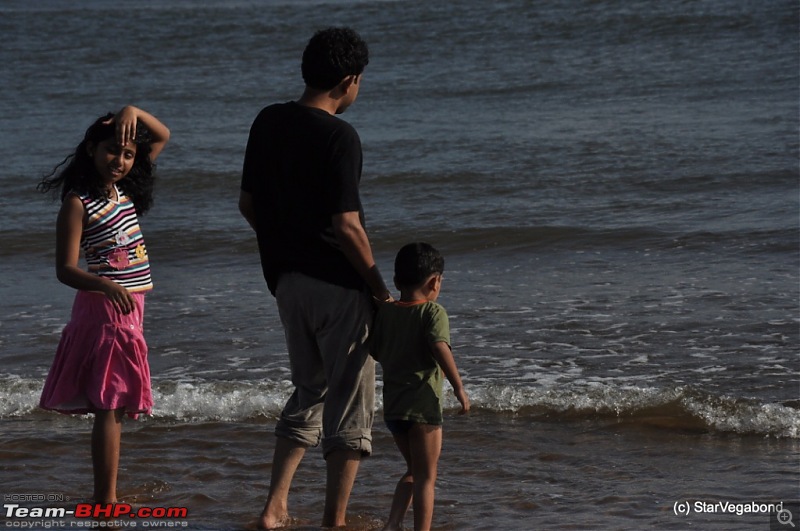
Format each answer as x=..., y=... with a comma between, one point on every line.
x=126, y=120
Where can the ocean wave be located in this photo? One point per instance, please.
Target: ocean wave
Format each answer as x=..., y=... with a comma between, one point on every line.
x=674, y=408
x=520, y=238
x=680, y=407
x=507, y=239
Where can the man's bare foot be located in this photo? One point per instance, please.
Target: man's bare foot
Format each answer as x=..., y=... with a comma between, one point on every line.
x=266, y=521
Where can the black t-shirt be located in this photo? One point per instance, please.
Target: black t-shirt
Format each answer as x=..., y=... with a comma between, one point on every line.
x=302, y=166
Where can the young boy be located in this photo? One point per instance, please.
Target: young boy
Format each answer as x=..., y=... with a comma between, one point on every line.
x=411, y=340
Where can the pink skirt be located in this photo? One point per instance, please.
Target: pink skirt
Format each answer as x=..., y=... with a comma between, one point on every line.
x=101, y=361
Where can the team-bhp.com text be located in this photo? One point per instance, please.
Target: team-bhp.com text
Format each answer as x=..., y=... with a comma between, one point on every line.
x=88, y=514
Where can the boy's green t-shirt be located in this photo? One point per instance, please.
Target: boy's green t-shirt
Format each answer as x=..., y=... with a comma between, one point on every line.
x=401, y=342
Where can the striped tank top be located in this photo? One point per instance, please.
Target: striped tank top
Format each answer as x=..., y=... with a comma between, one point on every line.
x=112, y=242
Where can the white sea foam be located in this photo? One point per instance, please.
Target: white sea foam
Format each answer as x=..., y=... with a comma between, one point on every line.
x=591, y=398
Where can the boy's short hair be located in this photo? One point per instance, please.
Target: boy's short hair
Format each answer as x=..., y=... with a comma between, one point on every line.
x=415, y=262
x=331, y=55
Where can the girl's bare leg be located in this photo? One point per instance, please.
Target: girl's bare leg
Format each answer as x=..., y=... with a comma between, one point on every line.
x=106, y=437
x=425, y=446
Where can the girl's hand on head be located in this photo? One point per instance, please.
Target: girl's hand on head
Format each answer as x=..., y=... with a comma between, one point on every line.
x=126, y=121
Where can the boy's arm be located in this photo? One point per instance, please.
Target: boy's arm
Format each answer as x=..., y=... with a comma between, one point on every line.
x=444, y=357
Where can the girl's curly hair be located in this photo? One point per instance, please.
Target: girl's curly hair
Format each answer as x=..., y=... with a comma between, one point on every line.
x=79, y=174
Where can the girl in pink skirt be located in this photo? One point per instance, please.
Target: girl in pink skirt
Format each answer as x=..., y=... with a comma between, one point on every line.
x=101, y=362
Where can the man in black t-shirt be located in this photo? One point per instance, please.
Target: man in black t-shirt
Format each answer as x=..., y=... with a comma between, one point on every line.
x=300, y=194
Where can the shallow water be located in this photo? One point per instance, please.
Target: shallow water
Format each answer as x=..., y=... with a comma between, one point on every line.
x=614, y=186
x=539, y=473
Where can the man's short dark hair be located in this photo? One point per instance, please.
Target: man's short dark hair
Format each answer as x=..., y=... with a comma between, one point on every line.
x=331, y=55
x=415, y=262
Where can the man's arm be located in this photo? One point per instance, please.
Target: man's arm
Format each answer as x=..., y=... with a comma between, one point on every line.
x=355, y=245
x=247, y=209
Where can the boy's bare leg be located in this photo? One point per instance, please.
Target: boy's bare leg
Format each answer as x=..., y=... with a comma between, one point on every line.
x=106, y=438
x=404, y=490
x=342, y=467
x=425, y=445
x=287, y=457
x=403, y=494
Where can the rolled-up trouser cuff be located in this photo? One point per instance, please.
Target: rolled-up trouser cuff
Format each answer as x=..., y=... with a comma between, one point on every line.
x=358, y=440
x=301, y=434
x=327, y=332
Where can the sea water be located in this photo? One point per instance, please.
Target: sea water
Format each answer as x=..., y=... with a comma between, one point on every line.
x=614, y=186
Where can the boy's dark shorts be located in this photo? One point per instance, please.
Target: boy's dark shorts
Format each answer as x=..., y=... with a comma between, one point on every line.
x=399, y=427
